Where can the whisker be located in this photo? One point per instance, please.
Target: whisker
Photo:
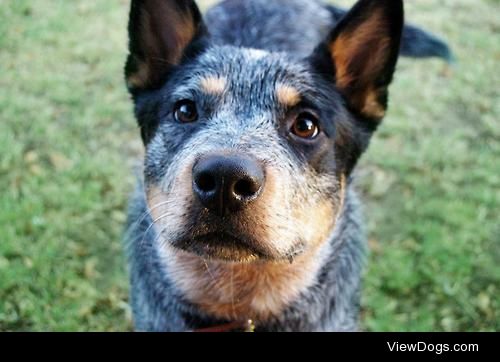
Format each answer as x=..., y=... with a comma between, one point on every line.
x=143, y=216
x=151, y=225
x=159, y=235
x=232, y=293
x=157, y=238
x=145, y=213
x=208, y=269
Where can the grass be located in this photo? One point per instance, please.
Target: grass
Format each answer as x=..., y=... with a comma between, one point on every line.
x=68, y=144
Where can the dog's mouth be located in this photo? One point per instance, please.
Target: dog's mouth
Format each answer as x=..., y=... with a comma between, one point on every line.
x=222, y=246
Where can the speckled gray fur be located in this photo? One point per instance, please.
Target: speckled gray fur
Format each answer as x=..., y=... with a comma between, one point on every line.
x=289, y=31
x=271, y=25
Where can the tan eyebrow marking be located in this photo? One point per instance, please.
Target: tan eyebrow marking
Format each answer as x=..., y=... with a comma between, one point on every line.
x=213, y=84
x=287, y=95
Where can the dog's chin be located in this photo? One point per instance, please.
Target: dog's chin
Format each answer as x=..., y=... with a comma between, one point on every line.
x=222, y=247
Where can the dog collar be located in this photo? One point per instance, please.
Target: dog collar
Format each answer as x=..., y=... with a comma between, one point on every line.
x=241, y=326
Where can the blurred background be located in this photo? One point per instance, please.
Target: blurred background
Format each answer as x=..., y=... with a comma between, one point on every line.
x=69, y=146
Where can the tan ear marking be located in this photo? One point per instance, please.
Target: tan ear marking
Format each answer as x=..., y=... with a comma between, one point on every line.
x=140, y=78
x=185, y=34
x=350, y=48
x=371, y=105
x=160, y=32
x=359, y=56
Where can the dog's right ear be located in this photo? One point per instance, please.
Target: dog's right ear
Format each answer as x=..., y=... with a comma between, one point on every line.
x=160, y=32
x=361, y=53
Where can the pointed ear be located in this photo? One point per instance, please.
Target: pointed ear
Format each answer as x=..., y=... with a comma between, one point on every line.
x=362, y=52
x=160, y=31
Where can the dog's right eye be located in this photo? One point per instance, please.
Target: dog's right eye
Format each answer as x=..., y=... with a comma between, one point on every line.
x=185, y=111
x=305, y=126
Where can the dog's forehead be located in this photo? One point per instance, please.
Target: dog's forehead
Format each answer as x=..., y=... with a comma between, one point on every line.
x=245, y=63
x=249, y=74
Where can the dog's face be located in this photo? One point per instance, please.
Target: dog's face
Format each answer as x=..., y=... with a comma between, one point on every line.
x=241, y=161
x=248, y=152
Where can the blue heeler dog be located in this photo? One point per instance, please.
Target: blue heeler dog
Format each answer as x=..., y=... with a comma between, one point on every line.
x=253, y=118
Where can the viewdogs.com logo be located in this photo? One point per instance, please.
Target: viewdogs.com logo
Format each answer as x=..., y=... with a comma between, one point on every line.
x=431, y=347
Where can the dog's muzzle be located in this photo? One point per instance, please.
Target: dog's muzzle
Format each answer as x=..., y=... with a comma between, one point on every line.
x=225, y=191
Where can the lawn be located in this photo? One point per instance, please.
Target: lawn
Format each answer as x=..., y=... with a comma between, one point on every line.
x=69, y=147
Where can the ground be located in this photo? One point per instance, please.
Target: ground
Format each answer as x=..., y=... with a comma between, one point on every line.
x=69, y=144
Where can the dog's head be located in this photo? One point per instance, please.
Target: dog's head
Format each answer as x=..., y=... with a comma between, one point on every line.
x=247, y=151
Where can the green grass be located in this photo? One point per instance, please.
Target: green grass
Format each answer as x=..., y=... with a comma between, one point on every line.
x=68, y=144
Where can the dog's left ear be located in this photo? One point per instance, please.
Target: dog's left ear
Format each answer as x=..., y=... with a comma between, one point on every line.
x=160, y=32
x=361, y=52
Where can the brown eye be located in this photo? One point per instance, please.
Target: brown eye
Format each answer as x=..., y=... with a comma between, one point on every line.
x=305, y=126
x=185, y=111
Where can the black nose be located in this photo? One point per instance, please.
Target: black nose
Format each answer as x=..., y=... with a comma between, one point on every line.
x=227, y=183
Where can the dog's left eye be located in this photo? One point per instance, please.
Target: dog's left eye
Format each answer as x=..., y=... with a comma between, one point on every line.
x=305, y=126
x=185, y=111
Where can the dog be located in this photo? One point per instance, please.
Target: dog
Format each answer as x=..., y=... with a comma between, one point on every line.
x=253, y=118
